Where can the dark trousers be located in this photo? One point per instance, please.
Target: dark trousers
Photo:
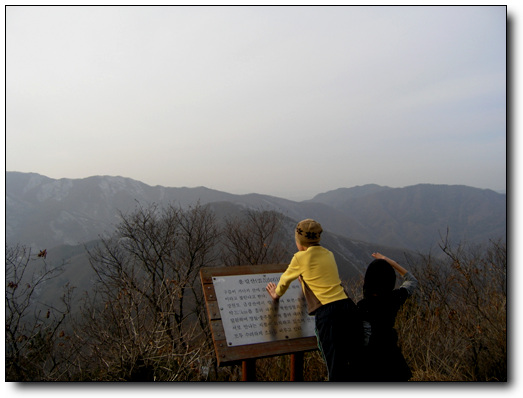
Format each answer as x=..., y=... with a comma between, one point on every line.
x=340, y=339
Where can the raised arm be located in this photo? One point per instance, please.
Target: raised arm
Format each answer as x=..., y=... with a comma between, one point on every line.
x=402, y=271
x=410, y=282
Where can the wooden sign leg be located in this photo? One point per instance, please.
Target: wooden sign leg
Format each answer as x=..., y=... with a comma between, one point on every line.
x=249, y=370
x=297, y=366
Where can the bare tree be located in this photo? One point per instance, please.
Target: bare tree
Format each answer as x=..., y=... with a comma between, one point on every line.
x=456, y=328
x=197, y=239
x=255, y=238
x=137, y=324
x=33, y=329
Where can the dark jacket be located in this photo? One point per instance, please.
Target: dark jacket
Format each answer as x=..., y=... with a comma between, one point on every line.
x=382, y=359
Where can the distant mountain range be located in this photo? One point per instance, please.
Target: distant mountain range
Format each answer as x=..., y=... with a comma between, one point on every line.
x=67, y=215
x=44, y=212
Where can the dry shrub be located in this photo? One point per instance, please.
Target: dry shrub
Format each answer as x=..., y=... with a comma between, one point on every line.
x=455, y=327
x=148, y=321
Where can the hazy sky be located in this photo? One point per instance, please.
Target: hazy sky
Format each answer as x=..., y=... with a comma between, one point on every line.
x=285, y=101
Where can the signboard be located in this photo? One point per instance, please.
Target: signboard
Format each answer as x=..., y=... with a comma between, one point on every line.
x=269, y=329
x=250, y=315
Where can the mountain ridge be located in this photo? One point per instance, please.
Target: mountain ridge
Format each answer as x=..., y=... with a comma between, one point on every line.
x=46, y=212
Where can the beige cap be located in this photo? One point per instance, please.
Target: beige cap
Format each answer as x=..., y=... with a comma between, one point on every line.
x=308, y=232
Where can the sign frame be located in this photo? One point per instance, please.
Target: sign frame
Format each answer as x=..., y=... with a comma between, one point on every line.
x=231, y=355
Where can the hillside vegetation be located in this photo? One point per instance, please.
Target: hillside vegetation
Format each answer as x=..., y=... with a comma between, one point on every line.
x=145, y=317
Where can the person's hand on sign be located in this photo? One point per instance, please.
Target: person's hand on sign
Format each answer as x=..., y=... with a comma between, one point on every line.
x=271, y=289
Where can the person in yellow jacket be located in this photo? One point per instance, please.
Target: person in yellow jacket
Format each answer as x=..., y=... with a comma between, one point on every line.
x=338, y=326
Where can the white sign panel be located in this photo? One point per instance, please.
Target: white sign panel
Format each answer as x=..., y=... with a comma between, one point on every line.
x=249, y=315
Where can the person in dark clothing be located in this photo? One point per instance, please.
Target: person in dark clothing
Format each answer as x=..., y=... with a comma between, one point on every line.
x=383, y=359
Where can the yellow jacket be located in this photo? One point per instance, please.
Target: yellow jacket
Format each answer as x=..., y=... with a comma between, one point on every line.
x=320, y=280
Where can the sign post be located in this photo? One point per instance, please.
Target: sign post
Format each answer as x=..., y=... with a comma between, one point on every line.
x=247, y=324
